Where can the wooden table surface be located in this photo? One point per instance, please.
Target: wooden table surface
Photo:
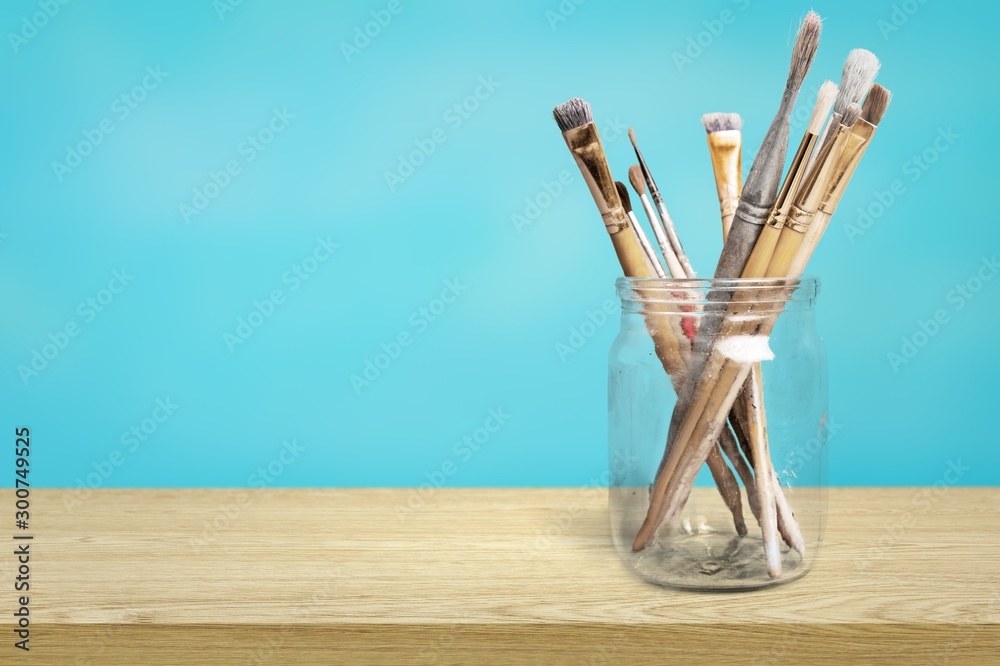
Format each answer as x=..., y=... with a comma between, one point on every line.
x=482, y=576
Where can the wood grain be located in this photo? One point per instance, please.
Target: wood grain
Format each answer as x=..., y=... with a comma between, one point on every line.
x=483, y=576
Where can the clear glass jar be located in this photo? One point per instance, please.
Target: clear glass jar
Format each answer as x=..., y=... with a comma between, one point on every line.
x=718, y=331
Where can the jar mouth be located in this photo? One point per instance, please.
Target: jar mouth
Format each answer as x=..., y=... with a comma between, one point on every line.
x=764, y=294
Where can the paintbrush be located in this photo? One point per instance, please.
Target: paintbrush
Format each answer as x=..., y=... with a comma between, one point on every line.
x=639, y=232
x=716, y=390
x=748, y=418
x=749, y=406
x=667, y=222
x=576, y=122
x=860, y=70
x=639, y=185
x=721, y=474
x=725, y=146
x=759, y=194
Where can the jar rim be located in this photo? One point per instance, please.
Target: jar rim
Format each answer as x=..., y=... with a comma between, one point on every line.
x=692, y=291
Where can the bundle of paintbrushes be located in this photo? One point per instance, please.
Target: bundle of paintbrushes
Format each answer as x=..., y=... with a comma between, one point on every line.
x=771, y=228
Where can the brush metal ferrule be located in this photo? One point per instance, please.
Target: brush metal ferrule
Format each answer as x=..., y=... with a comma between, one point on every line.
x=584, y=144
x=795, y=175
x=798, y=220
x=778, y=218
x=815, y=185
x=857, y=142
x=615, y=220
x=726, y=150
x=755, y=214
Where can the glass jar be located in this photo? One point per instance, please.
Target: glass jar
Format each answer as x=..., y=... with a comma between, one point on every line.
x=723, y=335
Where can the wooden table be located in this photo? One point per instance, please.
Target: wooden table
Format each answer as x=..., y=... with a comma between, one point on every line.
x=482, y=576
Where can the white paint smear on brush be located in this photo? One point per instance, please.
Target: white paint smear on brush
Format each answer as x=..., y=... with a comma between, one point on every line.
x=746, y=348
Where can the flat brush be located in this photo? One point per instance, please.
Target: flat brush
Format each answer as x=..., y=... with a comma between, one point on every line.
x=580, y=133
x=639, y=232
x=725, y=146
x=861, y=134
x=639, y=185
x=668, y=224
x=860, y=69
x=748, y=417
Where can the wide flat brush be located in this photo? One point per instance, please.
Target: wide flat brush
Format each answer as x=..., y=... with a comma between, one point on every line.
x=725, y=147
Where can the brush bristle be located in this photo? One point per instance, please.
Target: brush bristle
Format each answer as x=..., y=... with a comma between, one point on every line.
x=720, y=122
x=806, y=43
x=572, y=114
x=859, y=72
x=824, y=100
x=631, y=135
x=635, y=177
x=876, y=104
x=851, y=114
x=623, y=195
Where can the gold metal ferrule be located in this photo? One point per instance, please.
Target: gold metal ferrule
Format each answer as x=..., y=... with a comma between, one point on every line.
x=726, y=150
x=817, y=182
x=729, y=205
x=855, y=144
x=585, y=145
x=799, y=220
x=777, y=219
x=615, y=220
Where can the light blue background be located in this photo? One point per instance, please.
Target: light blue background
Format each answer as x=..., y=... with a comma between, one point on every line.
x=525, y=289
